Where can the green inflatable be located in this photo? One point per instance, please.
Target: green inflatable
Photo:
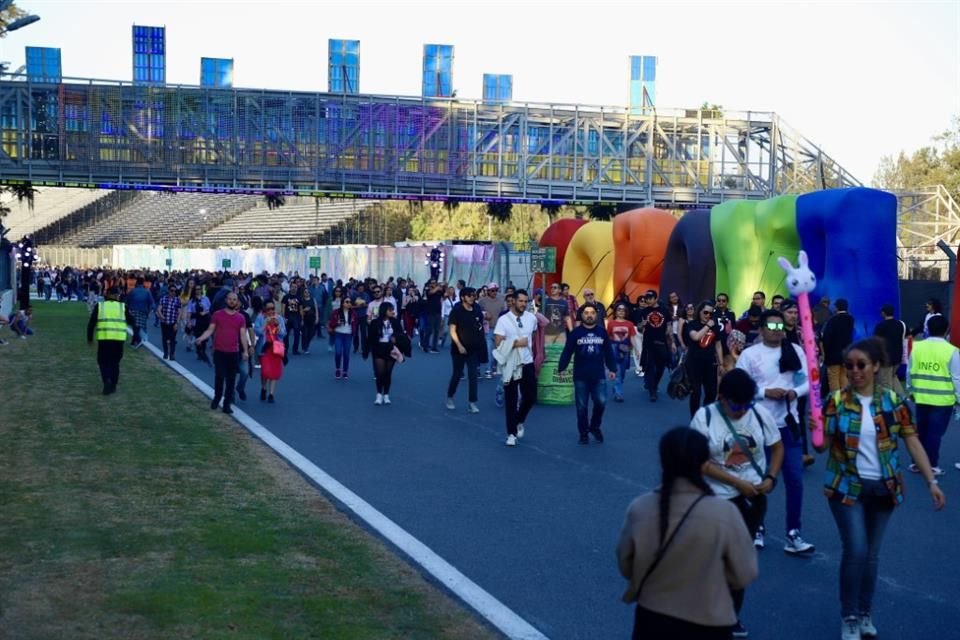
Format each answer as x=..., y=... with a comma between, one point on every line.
x=552, y=388
x=748, y=237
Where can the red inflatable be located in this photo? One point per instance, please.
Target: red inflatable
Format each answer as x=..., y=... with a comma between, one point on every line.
x=640, y=238
x=557, y=235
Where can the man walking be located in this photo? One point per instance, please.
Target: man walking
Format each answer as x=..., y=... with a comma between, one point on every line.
x=491, y=306
x=780, y=370
x=893, y=332
x=108, y=323
x=433, y=305
x=140, y=303
x=513, y=339
x=168, y=312
x=934, y=382
x=594, y=351
x=836, y=336
x=229, y=330
x=657, y=349
x=467, y=347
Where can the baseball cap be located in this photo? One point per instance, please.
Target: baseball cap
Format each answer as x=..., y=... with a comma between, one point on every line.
x=493, y=285
x=650, y=294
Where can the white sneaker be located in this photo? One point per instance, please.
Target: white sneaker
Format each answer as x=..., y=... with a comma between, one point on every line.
x=473, y=408
x=867, y=630
x=956, y=465
x=937, y=471
x=520, y=430
x=511, y=441
x=850, y=628
x=758, y=541
x=450, y=404
x=386, y=399
x=798, y=546
x=379, y=399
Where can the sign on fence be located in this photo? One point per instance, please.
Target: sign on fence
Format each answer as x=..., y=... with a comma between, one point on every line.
x=225, y=264
x=543, y=260
x=314, y=262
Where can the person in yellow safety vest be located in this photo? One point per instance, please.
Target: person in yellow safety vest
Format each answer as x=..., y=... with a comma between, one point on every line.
x=109, y=322
x=933, y=379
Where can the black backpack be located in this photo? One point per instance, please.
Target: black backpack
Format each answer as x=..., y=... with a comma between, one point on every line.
x=679, y=386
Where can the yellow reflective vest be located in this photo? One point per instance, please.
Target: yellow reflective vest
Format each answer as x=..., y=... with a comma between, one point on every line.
x=111, y=321
x=930, y=378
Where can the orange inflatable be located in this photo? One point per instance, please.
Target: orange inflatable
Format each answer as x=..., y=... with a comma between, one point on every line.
x=640, y=238
x=557, y=235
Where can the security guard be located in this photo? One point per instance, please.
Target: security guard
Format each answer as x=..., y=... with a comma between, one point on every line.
x=934, y=382
x=109, y=321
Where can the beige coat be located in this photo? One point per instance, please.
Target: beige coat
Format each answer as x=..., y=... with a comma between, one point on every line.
x=711, y=554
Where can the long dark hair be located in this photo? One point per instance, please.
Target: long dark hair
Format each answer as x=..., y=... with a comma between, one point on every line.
x=683, y=451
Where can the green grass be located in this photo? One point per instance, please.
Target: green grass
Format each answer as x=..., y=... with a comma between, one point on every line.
x=145, y=515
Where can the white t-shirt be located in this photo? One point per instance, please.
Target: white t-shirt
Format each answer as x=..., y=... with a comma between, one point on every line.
x=513, y=328
x=868, y=458
x=725, y=450
x=763, y=365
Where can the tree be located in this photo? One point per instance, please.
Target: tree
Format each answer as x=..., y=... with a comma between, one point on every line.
x=8, y=15
x=937, y=163
x=552, y=210
x=602, y=211
x=499, y=211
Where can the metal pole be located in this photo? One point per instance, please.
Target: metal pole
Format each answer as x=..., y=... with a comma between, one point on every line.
x=952, y=270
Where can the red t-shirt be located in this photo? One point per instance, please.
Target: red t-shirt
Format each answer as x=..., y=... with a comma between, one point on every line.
x=621, y=330
x=226, y=337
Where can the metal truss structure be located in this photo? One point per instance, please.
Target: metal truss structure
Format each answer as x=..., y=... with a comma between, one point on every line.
x=926, y=217
x=118, y=135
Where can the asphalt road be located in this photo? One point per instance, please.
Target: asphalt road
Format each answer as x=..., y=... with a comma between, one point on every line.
x=536, y=525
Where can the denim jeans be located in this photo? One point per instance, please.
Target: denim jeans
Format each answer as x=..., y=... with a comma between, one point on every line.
x=491, y=363
x=861, y=526
x=932, y=423
x=623, y=364
x=792, y=476
x=584, y=390
x=342, y=343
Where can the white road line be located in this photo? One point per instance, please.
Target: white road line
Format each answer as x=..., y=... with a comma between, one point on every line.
x=487, y=606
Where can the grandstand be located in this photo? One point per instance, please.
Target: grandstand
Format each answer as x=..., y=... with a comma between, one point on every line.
x=160, y=218
x=298, y=222
x=49, y=206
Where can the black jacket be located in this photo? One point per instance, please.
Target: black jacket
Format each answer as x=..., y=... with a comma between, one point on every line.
x=381, y=349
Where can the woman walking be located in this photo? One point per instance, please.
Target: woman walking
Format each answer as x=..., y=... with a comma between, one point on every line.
x=864, y=425
x=623, y=334
x=388, y=344
x=270, y=329
x=344, y=324
x=684, y=550
x=311, y=316
x=704, y=352
x=334, y=301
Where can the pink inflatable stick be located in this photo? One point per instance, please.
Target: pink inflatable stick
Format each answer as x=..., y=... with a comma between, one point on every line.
x=800, y=282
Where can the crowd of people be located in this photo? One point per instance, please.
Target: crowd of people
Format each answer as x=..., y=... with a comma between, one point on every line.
x=745, y=379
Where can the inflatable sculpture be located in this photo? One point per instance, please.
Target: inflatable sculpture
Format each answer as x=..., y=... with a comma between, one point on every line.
x=588, y=263
x=800, y=282
x=640, y=239
x=557, y=235
x=689, y=267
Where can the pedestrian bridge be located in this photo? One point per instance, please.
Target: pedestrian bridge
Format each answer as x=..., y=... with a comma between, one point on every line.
x=118, y=135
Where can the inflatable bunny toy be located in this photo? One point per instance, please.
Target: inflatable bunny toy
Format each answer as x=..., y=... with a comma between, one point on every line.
x=800, y=283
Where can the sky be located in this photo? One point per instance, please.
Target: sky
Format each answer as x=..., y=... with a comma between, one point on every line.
x=860, y=79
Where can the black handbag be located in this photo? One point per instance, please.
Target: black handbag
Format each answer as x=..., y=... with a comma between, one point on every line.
x=679, y=386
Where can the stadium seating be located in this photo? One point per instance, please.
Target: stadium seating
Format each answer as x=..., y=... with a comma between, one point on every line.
x=161, y=218
x=291, y=225
x=49, y=205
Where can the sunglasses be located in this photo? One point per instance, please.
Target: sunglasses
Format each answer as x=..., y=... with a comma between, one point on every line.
x=721, y=299
x=859, y=364
x=775, y=326
x=709, y=312
x=519, y=323
x=737, y=408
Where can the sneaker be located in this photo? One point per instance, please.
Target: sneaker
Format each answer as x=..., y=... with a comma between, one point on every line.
x=740, y=631
x=434, y=351
x=797, y=545
x=263, y=395
x=850, y=628
x=956, y=465
x=937, y=471
x=228, y=411
x=379, y=399
x=808, y=460
x=913, y=468
x=450, y=404
x=618, y=398
x=336, y=375
x=488, y=375
x=653, y=395
x=242, y=395
x=867, y=630
x=386, y=399
x=345, y=375
x=214, y=404
x=473, y=408
x=758, y=539
x=511, y=441
x=270, y=399
x=597, y=434
x=520, y=430
x=584, y=439
x=305, y=352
